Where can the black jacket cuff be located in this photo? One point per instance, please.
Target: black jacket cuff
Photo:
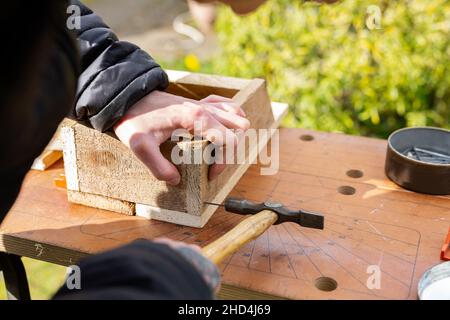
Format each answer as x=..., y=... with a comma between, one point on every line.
x=140, y=270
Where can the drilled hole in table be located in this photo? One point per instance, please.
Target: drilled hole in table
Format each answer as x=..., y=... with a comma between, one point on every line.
x=346, y=190
x=353, y=173
x=306, y=137
x=326, y=284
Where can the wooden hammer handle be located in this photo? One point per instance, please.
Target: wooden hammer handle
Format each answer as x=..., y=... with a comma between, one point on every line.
x=244, y=232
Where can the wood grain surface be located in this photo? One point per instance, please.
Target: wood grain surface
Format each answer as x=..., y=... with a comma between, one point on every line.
x=369, y=223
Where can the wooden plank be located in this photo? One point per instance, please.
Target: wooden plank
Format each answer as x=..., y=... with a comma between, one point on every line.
x=400, y=231
x=53, y=151
x=101, y=202
x=106, y=167
x=70, y=157
x=46, y=159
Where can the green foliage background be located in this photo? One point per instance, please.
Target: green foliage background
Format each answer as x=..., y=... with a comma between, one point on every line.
x=336, y=74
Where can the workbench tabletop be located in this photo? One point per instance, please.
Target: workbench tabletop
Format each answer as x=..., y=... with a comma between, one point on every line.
x=371, y=225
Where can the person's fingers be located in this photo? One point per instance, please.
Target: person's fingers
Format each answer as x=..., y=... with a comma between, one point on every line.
x=224, y=103
x=231, y=108
x=217, y=133
x=147, y=150
x=230, y=120
x=205, y=125
x=216, y=98
x=215, y=170
x=225, y=155
x=193, y=254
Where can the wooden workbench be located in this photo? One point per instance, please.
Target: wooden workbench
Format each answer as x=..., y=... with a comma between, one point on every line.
x=369, y=221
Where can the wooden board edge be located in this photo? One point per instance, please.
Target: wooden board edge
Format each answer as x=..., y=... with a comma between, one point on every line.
x=101, y=202
x=253, y=88
x=56, y=143
x=231, y=292
x=15, y=244
x=279, y=110
x=46, y=159
x=209, y=80
x=161, y=214
x=70, y=158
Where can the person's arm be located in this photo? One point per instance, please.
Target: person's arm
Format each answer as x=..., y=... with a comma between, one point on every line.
x=145, y=270
x=120, y=88
x=115, y=74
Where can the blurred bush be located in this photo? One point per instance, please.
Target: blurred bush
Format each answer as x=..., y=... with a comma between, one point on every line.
x=336, y=74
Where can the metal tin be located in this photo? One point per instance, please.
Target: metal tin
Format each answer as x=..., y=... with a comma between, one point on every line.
x=429, y=173
x=435, y=283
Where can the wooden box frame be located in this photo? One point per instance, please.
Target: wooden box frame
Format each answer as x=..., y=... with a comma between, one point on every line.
x=101, y=172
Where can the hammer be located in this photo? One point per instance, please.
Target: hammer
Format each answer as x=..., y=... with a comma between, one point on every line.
x=263, y=216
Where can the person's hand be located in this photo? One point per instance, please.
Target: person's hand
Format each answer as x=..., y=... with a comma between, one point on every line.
x=194, y=255
x=152, y=120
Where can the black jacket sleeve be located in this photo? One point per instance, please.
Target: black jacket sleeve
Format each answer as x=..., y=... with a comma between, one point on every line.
x=115, y=74
x=140, y=270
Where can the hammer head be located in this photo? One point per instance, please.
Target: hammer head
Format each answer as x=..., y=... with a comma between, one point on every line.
x=303, y=218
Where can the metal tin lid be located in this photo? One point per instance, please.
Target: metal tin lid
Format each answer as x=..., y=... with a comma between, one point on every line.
x=418, y=159
x=435, y=283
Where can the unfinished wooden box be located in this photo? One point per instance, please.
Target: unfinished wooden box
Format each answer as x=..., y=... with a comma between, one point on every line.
x=102, y=172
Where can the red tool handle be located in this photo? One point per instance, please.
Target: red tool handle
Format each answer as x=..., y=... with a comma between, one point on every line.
x=445, y=252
